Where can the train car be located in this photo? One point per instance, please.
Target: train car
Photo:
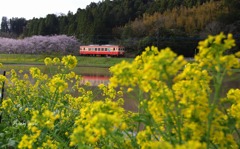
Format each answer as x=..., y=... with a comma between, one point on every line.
x=102, y=50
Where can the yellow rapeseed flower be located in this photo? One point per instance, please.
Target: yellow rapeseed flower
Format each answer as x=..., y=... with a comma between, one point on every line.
x=56, y=60
x=50, y=144
x=2, y=78
x=57, y=84
x=48, y=61
x=35, y=72
x=69, y=61
x=25, y=142
x=7, y=103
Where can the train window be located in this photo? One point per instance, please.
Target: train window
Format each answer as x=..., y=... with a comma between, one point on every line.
x=98, y=49
x=95, y=49
x=102, y=49
x=105, y=49
x=113, y=49
x=89, y=49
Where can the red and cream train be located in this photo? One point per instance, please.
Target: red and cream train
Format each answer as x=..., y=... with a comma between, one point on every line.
x=102, y=50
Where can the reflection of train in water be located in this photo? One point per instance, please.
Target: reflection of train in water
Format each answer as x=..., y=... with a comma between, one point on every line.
x=102, y=50
x=95, y=80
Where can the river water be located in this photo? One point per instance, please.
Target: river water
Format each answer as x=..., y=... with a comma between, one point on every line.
x=98, y=75
x=101, y=75
x=95, y=79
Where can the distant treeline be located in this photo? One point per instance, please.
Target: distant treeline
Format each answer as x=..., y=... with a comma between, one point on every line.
x=136, y=23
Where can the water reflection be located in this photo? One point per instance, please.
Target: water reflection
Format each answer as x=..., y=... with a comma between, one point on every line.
x=95, y=80
x=131, y=99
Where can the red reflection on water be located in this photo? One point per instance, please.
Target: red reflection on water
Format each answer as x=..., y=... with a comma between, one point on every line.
x=95, y=80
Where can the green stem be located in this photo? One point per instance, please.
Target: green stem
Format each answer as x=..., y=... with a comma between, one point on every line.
x=212, y=104
x=178, y=110
x=139, y=108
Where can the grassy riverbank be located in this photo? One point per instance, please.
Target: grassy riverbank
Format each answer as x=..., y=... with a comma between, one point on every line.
x=39, y=59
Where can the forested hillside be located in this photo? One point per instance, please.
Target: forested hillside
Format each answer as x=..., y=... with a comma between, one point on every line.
x=179, y=24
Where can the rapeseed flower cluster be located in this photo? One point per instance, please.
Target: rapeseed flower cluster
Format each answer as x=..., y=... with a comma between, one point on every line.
x=49, y=61
x=2, y=79
x=35, y=72
x=44, y=119
x=152, y=65
x=182, y=104
x=40, y=105
x=28, y=141
x=6, y=105
x=179, y=104
x=233, y=98
x=212, y=53
x=69, y=61
x=100, y=124
x=57, y=84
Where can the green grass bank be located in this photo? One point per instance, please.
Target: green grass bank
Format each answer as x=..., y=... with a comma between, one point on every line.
x=39, y=59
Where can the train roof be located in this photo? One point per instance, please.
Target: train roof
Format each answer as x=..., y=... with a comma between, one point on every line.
x=100, y=45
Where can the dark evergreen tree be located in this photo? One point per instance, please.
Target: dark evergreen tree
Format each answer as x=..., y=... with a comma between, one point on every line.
x=17, y=25
x=4, y=25
x=42, y=27
x=63, y=24
x=51, y=24
x=72, y=24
